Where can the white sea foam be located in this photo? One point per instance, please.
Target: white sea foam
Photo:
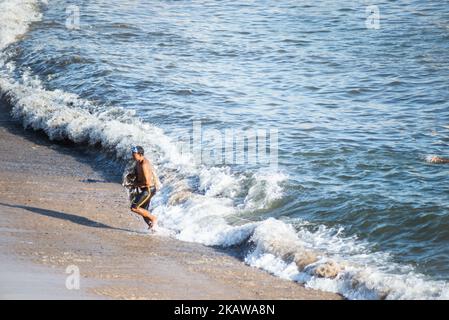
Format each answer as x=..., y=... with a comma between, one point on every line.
x=16, y=17
x=201, y=212
x=266, y=188
x=362, y=273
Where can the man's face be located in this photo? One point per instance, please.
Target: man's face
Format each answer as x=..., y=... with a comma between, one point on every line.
x=136, y=156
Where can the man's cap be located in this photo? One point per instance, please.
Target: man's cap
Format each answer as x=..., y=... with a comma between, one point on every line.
x=137, y=149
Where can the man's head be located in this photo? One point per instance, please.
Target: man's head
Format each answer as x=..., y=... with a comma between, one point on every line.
x=138, y=153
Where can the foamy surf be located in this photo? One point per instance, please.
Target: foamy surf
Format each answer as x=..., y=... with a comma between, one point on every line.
x=322, y=259
x=353, y=270
x=15, y=17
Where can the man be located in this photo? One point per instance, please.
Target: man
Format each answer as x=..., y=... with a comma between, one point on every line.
x=437, y=159
x=147, y=183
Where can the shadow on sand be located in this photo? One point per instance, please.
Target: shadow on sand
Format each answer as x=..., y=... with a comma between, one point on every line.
x=83, y=221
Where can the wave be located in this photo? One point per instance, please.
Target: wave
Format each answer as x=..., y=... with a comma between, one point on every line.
x=197, y=203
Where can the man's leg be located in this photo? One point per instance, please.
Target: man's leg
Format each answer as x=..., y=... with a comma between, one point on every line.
x=146, y=215
x=140, y=206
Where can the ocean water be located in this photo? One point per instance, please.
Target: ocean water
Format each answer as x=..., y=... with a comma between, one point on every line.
x=358, y=111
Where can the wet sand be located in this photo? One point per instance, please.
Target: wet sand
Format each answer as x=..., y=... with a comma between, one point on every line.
x=59, y=206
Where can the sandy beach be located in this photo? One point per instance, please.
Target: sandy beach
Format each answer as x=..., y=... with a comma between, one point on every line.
x=60, y=207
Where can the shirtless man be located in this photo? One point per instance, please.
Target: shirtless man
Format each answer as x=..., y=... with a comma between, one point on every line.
x=439, y=160
x=146, y=183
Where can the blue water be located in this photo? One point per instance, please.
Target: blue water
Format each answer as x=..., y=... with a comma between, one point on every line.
x=358, y=110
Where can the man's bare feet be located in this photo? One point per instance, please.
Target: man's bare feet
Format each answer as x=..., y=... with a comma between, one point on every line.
x=148, y=222
x=151, y=223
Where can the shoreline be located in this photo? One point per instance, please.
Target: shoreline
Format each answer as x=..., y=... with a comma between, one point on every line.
x=60, y=207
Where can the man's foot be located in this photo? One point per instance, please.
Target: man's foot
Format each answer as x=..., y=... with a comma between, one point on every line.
x=148, y=222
